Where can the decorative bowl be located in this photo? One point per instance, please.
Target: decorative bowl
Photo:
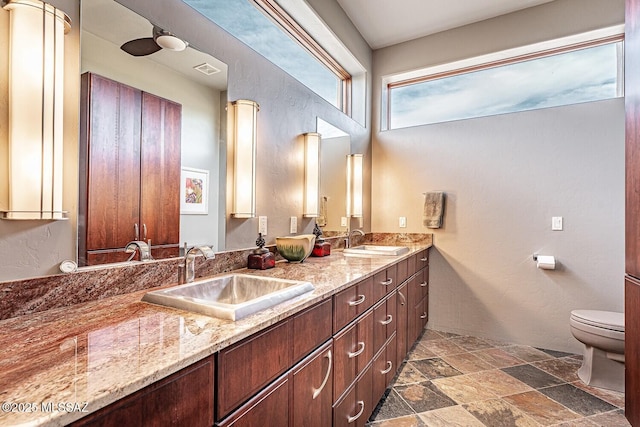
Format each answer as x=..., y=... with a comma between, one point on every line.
x=295, y=248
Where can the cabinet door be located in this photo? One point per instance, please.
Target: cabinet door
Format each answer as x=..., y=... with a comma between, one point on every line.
x=160, y=174
x=311, y=328
x=402, y=313
x=632, y=350
x=109, y=163
x=312, y=395
x=182, y=399
x=270, y=407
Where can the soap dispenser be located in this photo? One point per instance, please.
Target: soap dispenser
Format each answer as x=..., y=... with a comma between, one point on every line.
x=320, y=248
x=261, y=258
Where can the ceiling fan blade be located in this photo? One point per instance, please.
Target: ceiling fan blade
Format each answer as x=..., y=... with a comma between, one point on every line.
x=141, y=47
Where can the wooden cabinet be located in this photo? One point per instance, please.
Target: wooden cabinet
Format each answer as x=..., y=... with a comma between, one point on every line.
x=384, y=321
x=632, y=216
x=384, y=368
x=184, y=398
x=355, y=406
x=402, y=313
x=385, y=282
x=129, y=171
x=353, y=351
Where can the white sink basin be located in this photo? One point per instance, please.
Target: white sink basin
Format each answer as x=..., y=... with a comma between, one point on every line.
x=376, y=250
x=232, y=297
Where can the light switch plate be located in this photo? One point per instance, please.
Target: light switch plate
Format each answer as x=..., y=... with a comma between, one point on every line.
x=402, y=222
x=343, y=221
x=556, y=223
x=293, y=228
x=262, y=225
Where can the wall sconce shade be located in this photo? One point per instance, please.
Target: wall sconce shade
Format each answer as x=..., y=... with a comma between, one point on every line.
x=244, y=163
x=36, y=93
x=354, y=185
x=311, y=174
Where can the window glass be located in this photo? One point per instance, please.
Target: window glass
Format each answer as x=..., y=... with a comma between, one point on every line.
x=243, y=20
x=588, y=74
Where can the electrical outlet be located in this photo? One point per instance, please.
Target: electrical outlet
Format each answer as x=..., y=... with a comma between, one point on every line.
x=343, y=221
x=402, y=222
x=293, y=228
x=556, y=223
x=262, y=225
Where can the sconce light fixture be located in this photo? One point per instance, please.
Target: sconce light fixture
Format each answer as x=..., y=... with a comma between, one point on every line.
x=311, y=174
x=36, y=75
x=354, y=185
x=244, y=158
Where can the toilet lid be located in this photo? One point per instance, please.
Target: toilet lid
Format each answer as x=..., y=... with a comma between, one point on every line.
x=603, y=319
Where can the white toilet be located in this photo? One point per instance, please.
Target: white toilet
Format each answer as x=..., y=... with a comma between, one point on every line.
x=602, y=333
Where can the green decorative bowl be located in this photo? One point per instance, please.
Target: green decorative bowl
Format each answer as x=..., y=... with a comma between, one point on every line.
x=295, y=248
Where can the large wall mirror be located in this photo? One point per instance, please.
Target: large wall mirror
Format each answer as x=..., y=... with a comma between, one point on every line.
x=334, y=148
x=195, y=80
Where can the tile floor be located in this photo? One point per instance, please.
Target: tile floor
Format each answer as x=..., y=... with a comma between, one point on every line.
x=454, y=380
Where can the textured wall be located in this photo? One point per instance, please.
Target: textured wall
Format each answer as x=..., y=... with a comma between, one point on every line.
x=506, y=176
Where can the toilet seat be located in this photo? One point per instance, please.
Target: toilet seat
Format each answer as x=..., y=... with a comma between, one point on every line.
x=603, y=323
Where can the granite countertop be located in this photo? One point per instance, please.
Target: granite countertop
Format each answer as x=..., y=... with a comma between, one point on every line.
x=61, y=364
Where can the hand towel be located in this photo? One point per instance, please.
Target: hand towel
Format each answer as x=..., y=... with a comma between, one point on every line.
x=433, y=209
x=321, y=220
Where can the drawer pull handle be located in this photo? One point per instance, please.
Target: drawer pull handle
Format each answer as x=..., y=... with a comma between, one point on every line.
x=424, y=259
x=423, y=284
x=358, y=301
x=404, y=300
x=388, y=320
x=424, y=316
x=389, y=367
x=357, y=353
x=359, y=414
x=387, y=282
x=136, y=230
x=317, y=391
x=144, y=230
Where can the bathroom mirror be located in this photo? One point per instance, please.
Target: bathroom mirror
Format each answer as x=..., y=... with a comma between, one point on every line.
x=189, y=77
x=335, y=145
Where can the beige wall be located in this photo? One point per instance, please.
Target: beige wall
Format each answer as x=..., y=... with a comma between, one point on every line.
x=505, y=177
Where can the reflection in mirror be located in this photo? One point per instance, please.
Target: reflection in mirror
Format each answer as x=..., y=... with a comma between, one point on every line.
x=193, y=79
x=334, y=148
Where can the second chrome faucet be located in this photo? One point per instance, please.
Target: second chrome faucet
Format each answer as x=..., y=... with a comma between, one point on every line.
x=190, y=260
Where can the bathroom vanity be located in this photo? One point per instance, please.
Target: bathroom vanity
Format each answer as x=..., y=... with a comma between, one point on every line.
x=323, y=358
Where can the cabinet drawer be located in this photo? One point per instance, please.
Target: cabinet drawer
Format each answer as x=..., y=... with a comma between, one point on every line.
x=247, y=366
x=384, y=321
x=352, y=302
x=384, y=368
x=353, y=351
x=422, y=259
x=311, y=328
x=418, y=318
x=356, y=406
x=419, y=286
x=269, y=407
x=384, y=282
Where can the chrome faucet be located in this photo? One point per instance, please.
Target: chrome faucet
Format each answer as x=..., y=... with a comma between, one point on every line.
x=142, y=247
x=347, y=240
x=190, y=260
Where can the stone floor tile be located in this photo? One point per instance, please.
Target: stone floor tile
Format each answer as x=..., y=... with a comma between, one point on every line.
x=467, y=362
x=463, y=389
x=406, y=421
x=393, y=406
x=526, y=353
x=610, y=419
x=577, y=400
x=541, y=408
x=470, y=343
x=443, y=346
x=616, y=398
x=565, y=368
x=434, y=368
x=452, y=416
x=409, y=375
x=500, y=383
x=532, y=376
x=498, y=358
x=424, y=397
x=498, y=413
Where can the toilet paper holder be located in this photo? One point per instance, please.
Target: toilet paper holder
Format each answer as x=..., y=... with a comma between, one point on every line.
x=545, y=262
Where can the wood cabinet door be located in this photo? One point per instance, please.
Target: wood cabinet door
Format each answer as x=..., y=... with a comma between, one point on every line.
x=182, y=399
x=110, y=163
x=312, y=396
x=160, y=170
x=402, y=312
x=632, y=350
x=311, y=328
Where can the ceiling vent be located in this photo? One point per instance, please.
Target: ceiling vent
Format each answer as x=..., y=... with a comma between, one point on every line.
x=207, y=69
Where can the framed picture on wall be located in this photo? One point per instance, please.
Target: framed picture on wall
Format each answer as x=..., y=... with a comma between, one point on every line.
x=194, y=191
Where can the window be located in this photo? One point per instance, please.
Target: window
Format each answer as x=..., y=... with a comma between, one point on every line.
x=267, y=28
x=587, y=71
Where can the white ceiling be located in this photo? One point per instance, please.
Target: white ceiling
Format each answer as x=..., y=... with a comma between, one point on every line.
x=386, y=22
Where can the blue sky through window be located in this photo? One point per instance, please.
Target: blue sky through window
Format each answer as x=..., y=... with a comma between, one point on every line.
x=584, y=75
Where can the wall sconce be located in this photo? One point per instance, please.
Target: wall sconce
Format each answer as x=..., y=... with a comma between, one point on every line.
x=310, y=207
x=36, y=93
x=244, y=158
x=354, y=185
